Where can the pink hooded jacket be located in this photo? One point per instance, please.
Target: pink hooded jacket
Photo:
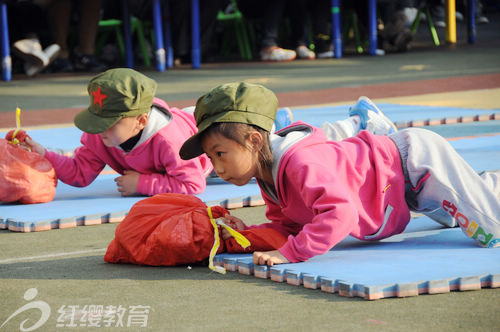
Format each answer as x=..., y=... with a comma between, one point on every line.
x=325, y=190
x=156, y=157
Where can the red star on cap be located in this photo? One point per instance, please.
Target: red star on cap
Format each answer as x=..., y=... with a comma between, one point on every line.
x=98, y=96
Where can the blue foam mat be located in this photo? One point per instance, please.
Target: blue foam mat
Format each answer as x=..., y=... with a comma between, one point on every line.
x=100, y=202
x=425, y=259
x=66, y=139
x=396, y=112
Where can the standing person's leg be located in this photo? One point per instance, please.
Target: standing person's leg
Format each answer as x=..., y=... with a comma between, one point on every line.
x=85, y=59
x=59, y=17
x=270, y=51
x=89, y=22
x=320, y=12
x=299, y=13
x=58, y=14
x=273, y=14
x=444, y=185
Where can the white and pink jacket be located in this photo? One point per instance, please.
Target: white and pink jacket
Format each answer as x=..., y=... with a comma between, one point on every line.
x=155, y=156
x=325, y=190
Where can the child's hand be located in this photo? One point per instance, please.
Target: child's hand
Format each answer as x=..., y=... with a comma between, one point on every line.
x=233, y=222
x=269, y=258
x=34, y=145
x=127, y=183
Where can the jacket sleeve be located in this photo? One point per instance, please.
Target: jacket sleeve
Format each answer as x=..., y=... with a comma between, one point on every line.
x=328, y=198
x=78, y=171
x=279, y=221
x=177, y=175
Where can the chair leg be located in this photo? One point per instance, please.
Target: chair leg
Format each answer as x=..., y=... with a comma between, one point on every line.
x=416, y=22
x=120, y=42
x=432, y=29
x=137, y=27
x=245, y=51
x=357, y=37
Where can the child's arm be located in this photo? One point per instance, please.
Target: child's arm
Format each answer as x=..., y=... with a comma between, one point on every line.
x=321, y=198
x=78, y=171
x=173, y=174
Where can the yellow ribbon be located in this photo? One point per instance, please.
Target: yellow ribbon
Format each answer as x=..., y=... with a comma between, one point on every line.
x=14, y=140
x=242, y=241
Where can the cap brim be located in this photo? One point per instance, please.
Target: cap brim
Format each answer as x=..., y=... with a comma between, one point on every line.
x=90, y=123
x=191, y=148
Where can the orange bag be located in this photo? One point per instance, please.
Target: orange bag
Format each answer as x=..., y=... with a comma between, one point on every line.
x=173, y=229
x=166, y=229
x=25, y=176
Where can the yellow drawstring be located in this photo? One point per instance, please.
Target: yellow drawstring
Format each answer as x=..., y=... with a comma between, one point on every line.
x=14, y=140
x=242, y=241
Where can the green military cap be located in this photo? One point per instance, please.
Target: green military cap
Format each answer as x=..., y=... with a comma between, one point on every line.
x=231, y=102
x=115, y=94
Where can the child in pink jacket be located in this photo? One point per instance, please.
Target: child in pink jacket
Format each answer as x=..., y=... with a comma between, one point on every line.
x=319, y=191
x=137, y=135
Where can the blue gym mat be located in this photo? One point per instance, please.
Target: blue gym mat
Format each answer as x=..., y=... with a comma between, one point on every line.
x=426, y=259
x=65, y=139
x=101, y=203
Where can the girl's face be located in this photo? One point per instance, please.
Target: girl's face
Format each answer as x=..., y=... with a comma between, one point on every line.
x=123, y=130
x=232, y=162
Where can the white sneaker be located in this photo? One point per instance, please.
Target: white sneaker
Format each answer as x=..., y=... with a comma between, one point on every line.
x=278, y=54
x=51, y=52
x=30, y=50
x=304, y=53
x=372, y=118
x=325, y=55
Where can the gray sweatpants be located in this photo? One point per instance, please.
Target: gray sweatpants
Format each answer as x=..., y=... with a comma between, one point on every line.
x=441, y=185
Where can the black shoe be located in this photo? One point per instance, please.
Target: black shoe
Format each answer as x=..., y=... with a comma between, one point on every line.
x=88, y=63
x=60, y=65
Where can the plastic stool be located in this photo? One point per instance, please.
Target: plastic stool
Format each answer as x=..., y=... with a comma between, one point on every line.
x=236, y=21
x=115, y=25
x=432, y=29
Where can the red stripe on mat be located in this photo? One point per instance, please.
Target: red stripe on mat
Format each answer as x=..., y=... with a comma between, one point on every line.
x=296, y=98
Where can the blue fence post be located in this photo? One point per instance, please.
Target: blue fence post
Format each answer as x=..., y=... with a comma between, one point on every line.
x=168, y=37
x=195, y=34
x=159, y=49
x=6, y=59
x=471, y=21
x=336, y=31
x=127, y=35
x=372, y=26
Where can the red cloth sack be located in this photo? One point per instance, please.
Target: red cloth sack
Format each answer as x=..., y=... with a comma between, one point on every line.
x=174, y=229
x=166, y=229
x=25, y=176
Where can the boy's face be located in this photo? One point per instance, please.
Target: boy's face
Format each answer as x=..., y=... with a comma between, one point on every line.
x=123, y=130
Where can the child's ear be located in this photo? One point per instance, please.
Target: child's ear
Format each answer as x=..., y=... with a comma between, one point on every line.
x=256, y=140
x=142, y=120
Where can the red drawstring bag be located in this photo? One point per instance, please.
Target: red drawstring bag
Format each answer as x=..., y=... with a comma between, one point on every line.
x=166, y=229
x=25, y=176
x=172, y=229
